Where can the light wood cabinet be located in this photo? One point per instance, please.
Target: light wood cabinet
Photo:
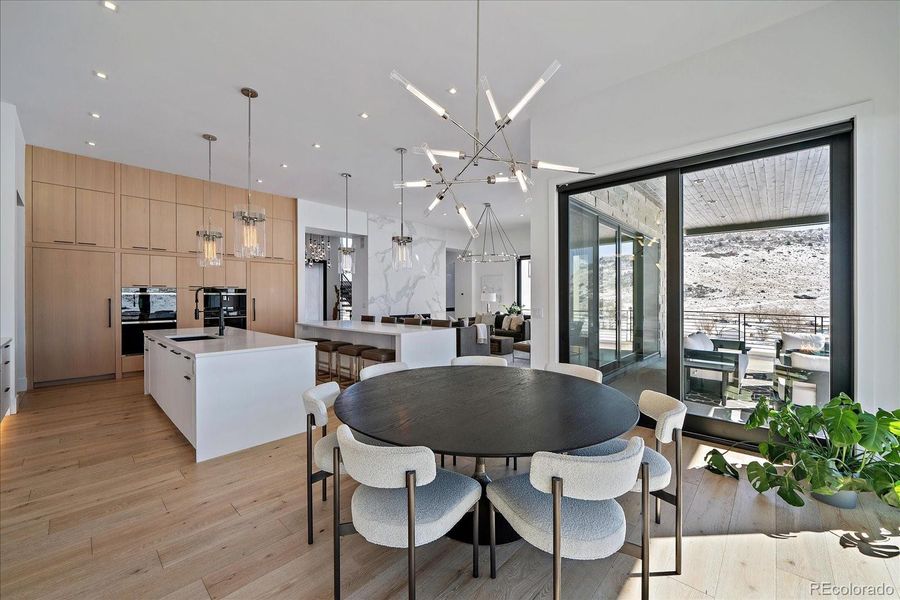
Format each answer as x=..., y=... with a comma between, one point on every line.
x=188, y=220
x=162, y=226
x=235, y=273
x=234, y=196
x=72, y=300
x=52, y=166
x=284, y=208
x=214, y=276
x=215, y=196
x=95, y=214
x=189, y=190
x=262, y=200
x=282, y=239
x=135, y=181
x=163, y=271
x=162, y=186
x=135, y=223
x=270, y=306
x=188, y=275
x=135, y=270
x=185, y=307
x=52, y=213
x=94, y=174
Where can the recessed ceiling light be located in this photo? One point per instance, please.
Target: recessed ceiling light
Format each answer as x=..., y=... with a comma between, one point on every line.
x=110, y=5
x=445, y=214
x=400, y=202
x=699, y=180
x=317, y=145
x=101, y=74
x=522, y=215
x=259, y=181
x=452, y=90
x=283, y=166
x=90, y=143
x=363, y=115
x=95, y=115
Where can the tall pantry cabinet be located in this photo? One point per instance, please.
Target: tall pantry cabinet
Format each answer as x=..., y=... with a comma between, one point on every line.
x=94, y=226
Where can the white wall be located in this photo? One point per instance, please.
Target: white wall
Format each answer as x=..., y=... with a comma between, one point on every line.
x=823, y=66
x=521, y=239
x=12, y=180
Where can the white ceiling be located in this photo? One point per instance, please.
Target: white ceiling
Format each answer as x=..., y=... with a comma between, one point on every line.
x=175, y=70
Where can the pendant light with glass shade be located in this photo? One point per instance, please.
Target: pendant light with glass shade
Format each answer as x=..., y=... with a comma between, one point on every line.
x=346, y=250
x=209, y=240
x=401, y=254
x=249, y=220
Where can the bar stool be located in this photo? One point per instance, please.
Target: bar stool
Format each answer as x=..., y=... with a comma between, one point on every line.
x=329, y=348
x=378, y=355
x=392, y=320
x=368, y=318
x=353, y=351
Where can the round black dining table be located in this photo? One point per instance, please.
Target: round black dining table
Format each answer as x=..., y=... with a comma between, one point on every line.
x=485, y=412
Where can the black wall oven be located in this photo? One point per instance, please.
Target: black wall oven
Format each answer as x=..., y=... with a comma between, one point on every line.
x=235, y=302
x=145, y=308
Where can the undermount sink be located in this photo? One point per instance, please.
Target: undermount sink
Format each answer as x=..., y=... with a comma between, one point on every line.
x=192, y=338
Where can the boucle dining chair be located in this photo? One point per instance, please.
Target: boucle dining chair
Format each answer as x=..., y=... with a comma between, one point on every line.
x=576, y=370
x=403, y=500
x=566, y=507
x=480, y=361
x=316, y=401
x=382, y=369
x=669, y=414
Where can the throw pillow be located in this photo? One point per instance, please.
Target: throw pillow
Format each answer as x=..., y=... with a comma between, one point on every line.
x=505, y=324
x=516, y=322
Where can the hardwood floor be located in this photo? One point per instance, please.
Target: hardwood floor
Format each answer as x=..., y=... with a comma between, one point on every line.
x=100, y=498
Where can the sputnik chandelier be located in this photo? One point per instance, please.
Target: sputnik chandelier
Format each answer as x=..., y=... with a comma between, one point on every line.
x=491, y=250
x=481, y=149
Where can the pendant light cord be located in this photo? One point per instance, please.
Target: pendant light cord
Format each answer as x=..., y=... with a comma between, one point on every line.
x=346, y=211
x=401, y=193
x=477, y=68
x=249, y=135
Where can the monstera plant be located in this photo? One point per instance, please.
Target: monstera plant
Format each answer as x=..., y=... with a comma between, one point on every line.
x=826, y=450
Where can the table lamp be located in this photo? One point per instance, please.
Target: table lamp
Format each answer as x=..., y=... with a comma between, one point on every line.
x=488, y=297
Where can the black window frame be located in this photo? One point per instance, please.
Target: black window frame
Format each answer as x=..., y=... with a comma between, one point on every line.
x=839, y=137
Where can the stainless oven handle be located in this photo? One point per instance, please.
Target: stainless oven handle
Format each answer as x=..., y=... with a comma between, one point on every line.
x=109, y=312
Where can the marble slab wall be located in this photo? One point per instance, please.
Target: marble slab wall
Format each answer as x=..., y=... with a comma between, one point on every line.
x=421, y=289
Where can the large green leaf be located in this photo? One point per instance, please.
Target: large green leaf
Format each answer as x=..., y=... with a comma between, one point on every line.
x=760, y=475
x=824, y=476
x=840, y=424
x=717, y=463
x=788, y=489
x=775, y=453
x=760, y=415
x=875, y=432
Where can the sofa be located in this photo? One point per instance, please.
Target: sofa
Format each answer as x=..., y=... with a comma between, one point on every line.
x=805, y=379
x=699, y=346
x=467, y=342
x=789, y=342
x=518, y=335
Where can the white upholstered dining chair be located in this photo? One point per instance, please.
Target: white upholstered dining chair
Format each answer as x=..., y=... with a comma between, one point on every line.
x=403, y=500
x=382, y=369
x=316, y=401
x=669, y=414
x=566, y=507
x=479, y=361
x=576, y=371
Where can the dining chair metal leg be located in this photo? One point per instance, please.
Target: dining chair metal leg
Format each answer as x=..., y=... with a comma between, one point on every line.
x=411, y=531
x=492, y=523
x=337, y=524
x=515, y=463
x=325, y=481
x=557, y=486
x=454, y=460
x=309, y=481
x=475, y=523
x=442, y=461
x=645, y=531
x=507, y=462
x=678, y=501
x=657, y=501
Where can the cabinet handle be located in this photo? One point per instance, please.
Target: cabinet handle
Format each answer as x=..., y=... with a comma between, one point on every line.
x=187, y=358
x=186, y=377
x=140, y=247
x=5, y=362
x=254, y=309
x=175, y=352
x=88, y=243
x=6, y=389
x=63, y=242
x=163, y=249
x=109, y=312
x=161, y=345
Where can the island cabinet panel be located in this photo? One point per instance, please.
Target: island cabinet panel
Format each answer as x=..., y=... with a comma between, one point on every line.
x=235, y=273
x=94, y=174
x=135, y=270
x=271, y=302
x=52, y=166
x=162, y=186
x=282, y=239
x=72, y=300
x=53, y=213
x=163, y=271
x=189, y=190
x=135, y=181
x=187, y=221
x=95, y=214
x=162, y=226
x=135, y=223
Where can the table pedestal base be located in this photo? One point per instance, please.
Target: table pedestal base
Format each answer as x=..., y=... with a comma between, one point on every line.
x=462, y=531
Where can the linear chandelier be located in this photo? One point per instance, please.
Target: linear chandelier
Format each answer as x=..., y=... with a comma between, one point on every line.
x=491, y=251
x=481, y=150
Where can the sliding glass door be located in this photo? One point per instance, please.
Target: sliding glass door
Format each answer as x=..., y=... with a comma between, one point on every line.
x=716, y=279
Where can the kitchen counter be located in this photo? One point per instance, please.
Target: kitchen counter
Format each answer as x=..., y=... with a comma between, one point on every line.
x=234, y=341
x=232, y=392
x=415, y=345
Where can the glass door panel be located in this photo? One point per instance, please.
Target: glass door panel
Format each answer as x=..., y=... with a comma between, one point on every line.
x=583, y=297
x=607, y=308
x=626, y=297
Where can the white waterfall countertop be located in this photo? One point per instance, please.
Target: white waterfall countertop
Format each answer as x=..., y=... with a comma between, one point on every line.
x=394, y=329
x=234, y=341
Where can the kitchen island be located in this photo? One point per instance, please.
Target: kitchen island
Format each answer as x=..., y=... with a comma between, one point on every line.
x=231, y=392
x=416, y=345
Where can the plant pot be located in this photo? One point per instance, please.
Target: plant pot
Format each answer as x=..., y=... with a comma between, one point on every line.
x=841, y=499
